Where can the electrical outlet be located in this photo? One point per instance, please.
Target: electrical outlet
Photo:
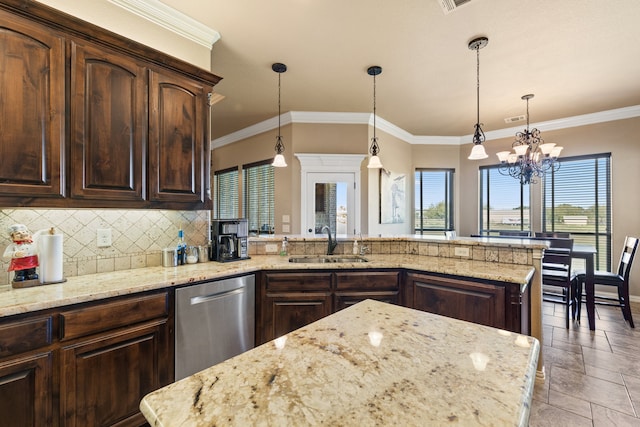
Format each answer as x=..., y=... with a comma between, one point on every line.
x=458, y=251
x=271, y=248
x=104, y=237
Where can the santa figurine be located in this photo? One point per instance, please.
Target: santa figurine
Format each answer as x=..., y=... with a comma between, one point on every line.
x=23, y=253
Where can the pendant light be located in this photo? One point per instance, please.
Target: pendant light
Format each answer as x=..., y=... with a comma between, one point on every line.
x=374, y=160
x=278, y=160
x=478, y=152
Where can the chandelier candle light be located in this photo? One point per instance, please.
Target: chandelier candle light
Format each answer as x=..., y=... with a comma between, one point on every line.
x=278, y=160
x=478, y=152
x=532, y=157
x=374, y=160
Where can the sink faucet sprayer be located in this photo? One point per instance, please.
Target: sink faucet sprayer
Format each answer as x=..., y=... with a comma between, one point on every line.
x=332, y=243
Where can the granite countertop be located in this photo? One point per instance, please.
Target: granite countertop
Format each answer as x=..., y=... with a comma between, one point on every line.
x=93, y=287
x=370, y=364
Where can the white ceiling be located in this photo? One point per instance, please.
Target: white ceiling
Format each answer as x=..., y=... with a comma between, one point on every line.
x=576, y=56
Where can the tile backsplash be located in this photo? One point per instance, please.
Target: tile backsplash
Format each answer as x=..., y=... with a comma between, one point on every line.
x=138, y=236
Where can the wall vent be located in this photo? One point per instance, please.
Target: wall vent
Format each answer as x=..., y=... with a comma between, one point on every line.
x=514, y=119
x=449, y=6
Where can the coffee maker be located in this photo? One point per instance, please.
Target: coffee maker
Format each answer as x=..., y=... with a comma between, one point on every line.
x=229, y=239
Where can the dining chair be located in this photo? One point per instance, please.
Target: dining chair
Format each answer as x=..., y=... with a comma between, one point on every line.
x=619, y=279
x=516, y=233
x=553, y=234
x=556, y=273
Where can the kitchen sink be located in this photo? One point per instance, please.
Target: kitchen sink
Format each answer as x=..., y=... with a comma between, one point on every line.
x=327, y=259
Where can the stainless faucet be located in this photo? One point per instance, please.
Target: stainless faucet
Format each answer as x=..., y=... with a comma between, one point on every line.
x=332, y=243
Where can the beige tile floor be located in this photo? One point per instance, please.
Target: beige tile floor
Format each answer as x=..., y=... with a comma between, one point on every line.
x=592, y=378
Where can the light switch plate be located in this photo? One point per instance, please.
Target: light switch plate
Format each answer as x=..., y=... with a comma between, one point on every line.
x=286, y=219
x=104, y=237
x=285, y=228
x=458, y=251
x=271, y=248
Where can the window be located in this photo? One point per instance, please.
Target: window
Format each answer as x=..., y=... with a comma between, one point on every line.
x=434, y=200
x=225, y=195
x=258, y=197
x=577, y=198
x=504, y=203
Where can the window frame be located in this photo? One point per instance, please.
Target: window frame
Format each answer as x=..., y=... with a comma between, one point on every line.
x=246, y=203
x=482, y=230
x=449, y=201
x=606, y=252
x=217, y=192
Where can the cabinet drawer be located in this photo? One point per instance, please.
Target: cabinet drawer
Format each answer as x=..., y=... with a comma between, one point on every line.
x=24, y=335
x=297, y=282
x=366, y=281
x=97, y=318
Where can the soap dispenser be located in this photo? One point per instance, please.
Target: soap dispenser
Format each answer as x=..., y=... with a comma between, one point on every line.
x=284, y=248
x=355, y=247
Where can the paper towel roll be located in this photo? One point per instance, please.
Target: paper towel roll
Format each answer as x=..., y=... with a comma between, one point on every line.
x=50, y=258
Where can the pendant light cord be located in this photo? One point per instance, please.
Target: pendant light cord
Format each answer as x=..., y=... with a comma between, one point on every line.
x=374, y=106
x=478, y=84
x=279, y=75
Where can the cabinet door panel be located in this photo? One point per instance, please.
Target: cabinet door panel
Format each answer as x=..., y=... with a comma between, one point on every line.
x=368, y=281
x=297, y=282
x=284, y=313
x=346, y=299
x=177, y=140
x=108, y=93
x=26, y=386
x=465, y=300
x=103, y=379
x=32, y=110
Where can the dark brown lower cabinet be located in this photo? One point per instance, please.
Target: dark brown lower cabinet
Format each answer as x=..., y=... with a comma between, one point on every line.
x=293, y=299
x=289, y=311
x=85, y=365
x=26, y=391
x=487, y=303
x=105, y=377
x=355, y=286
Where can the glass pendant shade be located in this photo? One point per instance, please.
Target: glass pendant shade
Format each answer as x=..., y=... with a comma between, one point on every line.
x=279, y=162
x=503, y=155
x=478, y=152
x=374, y=162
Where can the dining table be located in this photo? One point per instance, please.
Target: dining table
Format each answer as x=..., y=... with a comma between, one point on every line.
x=588, y=254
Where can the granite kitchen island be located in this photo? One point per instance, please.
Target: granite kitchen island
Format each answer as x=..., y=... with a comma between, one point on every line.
x=370, y=364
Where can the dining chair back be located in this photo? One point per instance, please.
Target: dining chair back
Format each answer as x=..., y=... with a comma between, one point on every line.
x=553, y=234
x=557, y=279
x=619, y=279
x=516, y=233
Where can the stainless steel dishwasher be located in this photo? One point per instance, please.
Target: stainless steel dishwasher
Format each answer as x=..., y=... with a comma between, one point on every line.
x=214, y=321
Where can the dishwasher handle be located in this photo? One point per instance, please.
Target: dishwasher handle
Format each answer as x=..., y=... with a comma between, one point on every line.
x=212, y=297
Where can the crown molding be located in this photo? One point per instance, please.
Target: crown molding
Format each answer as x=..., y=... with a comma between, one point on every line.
x=172, y=20
x=564, y=123
x=393, y=130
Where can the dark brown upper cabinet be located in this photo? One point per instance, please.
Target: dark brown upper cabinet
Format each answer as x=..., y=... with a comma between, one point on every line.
x=32, y=109
x=90, y=119
x=108, y=106
x=178, y=145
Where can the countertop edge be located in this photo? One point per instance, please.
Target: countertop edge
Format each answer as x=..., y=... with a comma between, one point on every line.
x=106, y=285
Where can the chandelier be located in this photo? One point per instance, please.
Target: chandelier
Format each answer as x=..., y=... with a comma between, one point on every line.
x=532, y=157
